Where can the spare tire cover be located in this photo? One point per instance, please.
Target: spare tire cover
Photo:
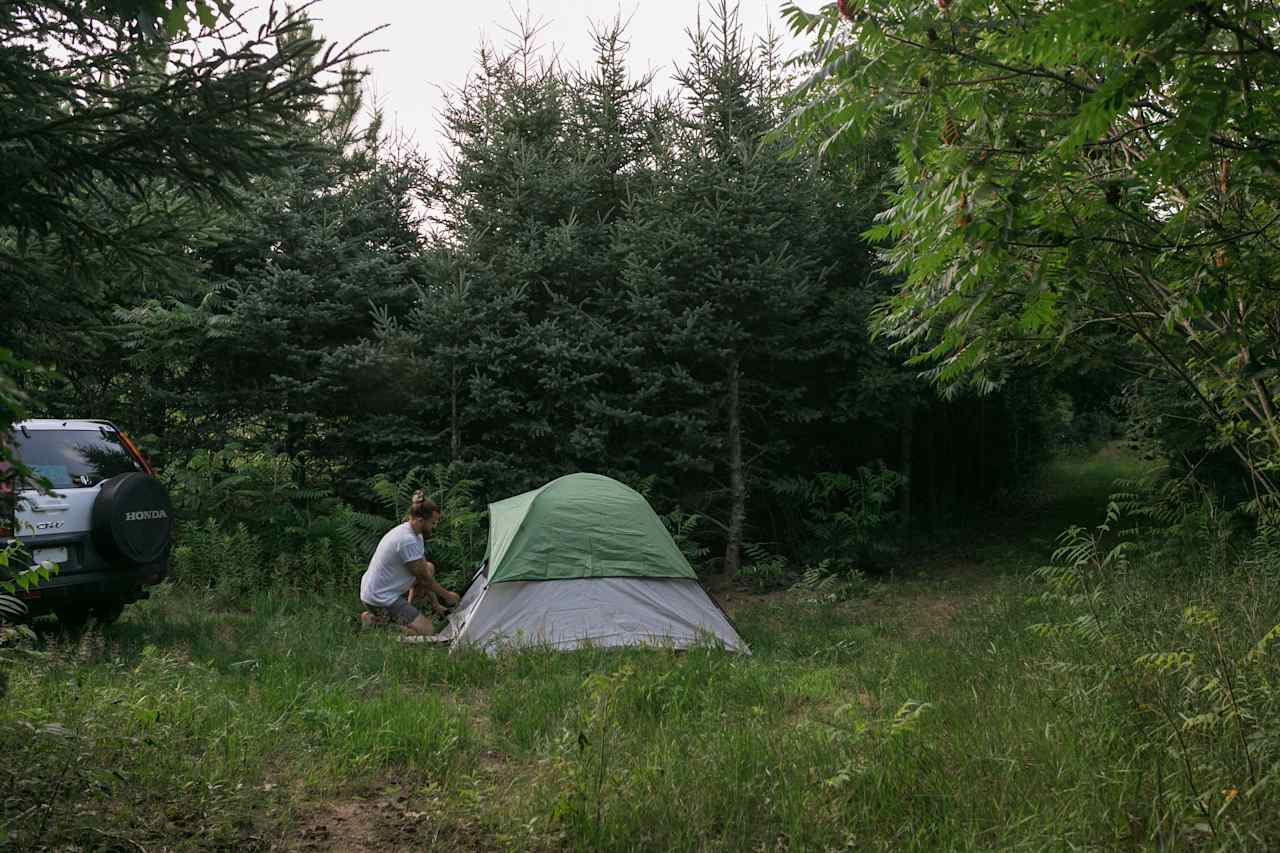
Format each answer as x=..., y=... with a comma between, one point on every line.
x=132, y=518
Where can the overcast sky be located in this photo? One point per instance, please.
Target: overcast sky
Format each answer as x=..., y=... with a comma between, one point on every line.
x=430, y=46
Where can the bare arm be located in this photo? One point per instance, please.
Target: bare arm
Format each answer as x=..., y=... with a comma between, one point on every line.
x=425, y=571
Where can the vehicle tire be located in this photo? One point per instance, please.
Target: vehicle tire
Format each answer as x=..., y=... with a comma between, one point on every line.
x=71, y=620
x=132, y=519
x=108, y=612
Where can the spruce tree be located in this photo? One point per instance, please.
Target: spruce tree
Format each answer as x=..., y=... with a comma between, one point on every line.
x=274, y=352
x=543, y=162
x=721, y=274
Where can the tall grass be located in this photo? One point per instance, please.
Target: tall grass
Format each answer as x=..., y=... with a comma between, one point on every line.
x=928, y=717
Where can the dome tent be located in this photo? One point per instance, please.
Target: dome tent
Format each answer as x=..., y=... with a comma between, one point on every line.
x=584, y=560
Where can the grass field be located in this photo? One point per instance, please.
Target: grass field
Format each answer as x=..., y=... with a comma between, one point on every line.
x=925, y=715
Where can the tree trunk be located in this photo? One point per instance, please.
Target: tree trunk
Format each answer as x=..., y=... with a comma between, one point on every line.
x=455, y=434
x=295, y=433
x=737, y=479
x=904, y=492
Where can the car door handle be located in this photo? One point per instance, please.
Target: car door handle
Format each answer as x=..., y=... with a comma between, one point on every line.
x=50, y=507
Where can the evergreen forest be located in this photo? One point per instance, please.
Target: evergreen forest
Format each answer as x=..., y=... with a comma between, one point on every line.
x=945, y=347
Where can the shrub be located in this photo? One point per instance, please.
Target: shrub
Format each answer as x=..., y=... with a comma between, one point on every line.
x=849, y=518
x=763, y=571
x=246, y=524
x=819, y=585
x=1195, y=662
x=229, y=561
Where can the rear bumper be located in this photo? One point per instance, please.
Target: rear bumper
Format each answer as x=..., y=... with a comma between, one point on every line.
x=85, y=589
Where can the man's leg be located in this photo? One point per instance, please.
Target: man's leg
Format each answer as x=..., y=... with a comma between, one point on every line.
x=420, y=627
x=409, y=619
x=372, y=616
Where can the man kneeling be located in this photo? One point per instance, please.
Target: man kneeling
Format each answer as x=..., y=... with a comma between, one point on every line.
x=399, y=564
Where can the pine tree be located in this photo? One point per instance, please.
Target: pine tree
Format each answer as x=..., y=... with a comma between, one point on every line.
x=274, y=352
x=543, y=163
x=720, y=279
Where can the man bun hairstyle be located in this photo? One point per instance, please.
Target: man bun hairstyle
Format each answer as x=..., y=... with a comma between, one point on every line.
x=422, y=507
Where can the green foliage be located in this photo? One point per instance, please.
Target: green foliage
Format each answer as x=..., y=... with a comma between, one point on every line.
x=638, y=285
x=120, y=148
x=458, y=543
x=235, y=483
x=247, y=524
x=684, y=528
x=233, y=563
x=167, y=18
x=818, y=584
x=849, y=518
x=18, y=575
x=323, y=563
x=1199, y=676
x=763, y=570
x=899, y=726
x=274, y=338
x=929, y=718
x=1075, y=174
x=209, y=558
x=1175, y=520
x=584, y=756
x=14, y=400
x=15, y=575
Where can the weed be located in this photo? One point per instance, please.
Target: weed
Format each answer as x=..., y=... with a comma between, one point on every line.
x=1143, y=714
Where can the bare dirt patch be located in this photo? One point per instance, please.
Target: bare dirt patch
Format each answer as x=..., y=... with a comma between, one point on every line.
x=382, y=823
x=344, y=825
x=923, y=607
x=933, y=614
x=731, y=600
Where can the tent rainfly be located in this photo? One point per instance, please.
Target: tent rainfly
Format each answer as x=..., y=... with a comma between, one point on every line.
x=584, y=560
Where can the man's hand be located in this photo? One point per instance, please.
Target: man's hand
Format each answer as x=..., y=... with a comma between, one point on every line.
x=426, y=574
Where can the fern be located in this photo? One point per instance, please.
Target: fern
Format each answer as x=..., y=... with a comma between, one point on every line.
x=459, y=541
x=683, y=527
x=848, y=515
x=367, y=529
x=1177, y=518
x=817, y=580
x=764, y=571
x=818, y=584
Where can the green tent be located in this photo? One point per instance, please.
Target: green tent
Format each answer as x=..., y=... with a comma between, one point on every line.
x=580, y=526
x=584, y=560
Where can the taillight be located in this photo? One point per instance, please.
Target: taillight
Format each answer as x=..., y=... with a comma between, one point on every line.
x=137, y=454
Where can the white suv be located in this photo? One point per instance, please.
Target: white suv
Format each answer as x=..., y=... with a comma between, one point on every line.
x=107, y=522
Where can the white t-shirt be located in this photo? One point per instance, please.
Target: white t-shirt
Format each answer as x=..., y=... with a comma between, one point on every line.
x=387, y=579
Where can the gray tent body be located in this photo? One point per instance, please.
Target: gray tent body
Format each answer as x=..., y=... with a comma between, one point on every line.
x=598, y=612
x=590, y=564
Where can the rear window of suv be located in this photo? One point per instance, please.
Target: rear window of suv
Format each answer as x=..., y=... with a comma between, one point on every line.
x=73, y=458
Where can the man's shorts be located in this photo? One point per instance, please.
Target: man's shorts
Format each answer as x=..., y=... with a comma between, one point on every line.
x=401, y=612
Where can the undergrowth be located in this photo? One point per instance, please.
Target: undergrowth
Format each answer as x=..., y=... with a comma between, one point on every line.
x=1113, y=701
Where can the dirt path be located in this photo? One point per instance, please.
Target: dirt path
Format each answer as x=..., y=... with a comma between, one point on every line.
x=387, y=821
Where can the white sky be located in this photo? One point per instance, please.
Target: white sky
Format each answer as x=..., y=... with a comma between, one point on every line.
x=430, y=46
